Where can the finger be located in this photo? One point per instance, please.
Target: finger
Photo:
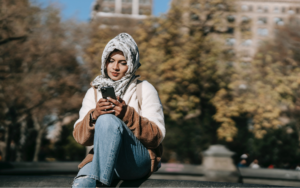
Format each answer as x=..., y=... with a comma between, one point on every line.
x=102, y=100
x=111, y=105
x=103, y=108
x=117, y=108
x=115, y=102
x=108, y=112
x=104, y=104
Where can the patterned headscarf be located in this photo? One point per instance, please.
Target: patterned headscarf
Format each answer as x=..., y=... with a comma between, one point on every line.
x=125, y=43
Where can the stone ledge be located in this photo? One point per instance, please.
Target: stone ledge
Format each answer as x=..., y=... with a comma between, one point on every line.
x=65, y=181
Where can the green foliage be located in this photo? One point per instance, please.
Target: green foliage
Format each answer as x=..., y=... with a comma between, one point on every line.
x=66, y=148
x=277, y=147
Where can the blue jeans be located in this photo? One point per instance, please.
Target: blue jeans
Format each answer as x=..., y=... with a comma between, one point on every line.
x=118, y=154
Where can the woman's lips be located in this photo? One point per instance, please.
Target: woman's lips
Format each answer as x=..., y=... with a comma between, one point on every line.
x=115, y=74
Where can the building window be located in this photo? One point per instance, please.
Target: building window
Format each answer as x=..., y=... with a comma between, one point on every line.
x=276, y=10
x=96, y=7
x=244, y=65
x=207, y=5
x=291, y=11
x=297, y=10
x=127, y=10
x=126, y=1
x=283, y=9
x=278, y=21
x=196, y=5
x=259, y=9
x=144, y=10
x=144, y=2
x=110, y=1
x=250, y=8
x=230, y=18
x=229, y=52
x=260, y=42
x=194, y=17
x=229, y=63
x=221, y=6
x=245, y=19
x=245, y=53
x=262, y=21
x=262, y=31
x=263, y=9
x=230, y=30
x=108, y=9
x=245, y=29
x=230, y=41
x=247, y=42
x=246, y=8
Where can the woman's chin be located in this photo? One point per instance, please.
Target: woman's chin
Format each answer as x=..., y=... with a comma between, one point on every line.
x=115, y=78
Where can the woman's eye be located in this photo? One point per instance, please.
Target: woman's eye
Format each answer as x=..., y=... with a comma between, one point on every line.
x=111, y=61
x=123, y=63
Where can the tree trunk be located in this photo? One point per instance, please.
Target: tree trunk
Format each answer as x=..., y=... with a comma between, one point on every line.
x=21, y=142
x=10, y=129
x=39, y=129
x=38, y=144
x=5, y=144
x=297, y=124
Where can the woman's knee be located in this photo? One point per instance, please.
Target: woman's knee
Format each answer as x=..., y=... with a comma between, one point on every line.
x=83, y=181
x=108, y=123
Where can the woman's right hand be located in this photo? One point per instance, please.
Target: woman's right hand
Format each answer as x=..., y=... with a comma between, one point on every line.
x=103, y=107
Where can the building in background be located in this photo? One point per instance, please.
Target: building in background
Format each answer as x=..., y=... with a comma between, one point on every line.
x=256, y=21
x=136, y=9
x=253, y=22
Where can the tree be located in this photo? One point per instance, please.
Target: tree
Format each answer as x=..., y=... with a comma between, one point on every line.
x=42, y=74
x=267, y=91
x=183, y=55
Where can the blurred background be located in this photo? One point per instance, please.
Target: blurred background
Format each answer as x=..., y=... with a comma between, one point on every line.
x=227, y=72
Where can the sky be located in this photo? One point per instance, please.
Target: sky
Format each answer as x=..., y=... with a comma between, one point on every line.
x=81, y=9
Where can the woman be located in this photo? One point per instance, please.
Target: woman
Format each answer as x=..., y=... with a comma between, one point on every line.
x=126, y=133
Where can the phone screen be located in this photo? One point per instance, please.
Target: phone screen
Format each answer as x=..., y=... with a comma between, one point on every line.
x=108, y=91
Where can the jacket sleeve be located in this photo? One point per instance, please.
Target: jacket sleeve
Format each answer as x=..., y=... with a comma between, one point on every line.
x=146, y=131
x=83, y=131
x=148, y=127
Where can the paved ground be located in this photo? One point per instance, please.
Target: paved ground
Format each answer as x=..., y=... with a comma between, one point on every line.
x=61, y=181
x=178, y=172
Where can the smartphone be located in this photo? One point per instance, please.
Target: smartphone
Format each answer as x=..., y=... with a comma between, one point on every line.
x=108, y=91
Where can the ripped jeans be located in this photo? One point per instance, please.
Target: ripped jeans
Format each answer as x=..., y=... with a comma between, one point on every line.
x=118, y=154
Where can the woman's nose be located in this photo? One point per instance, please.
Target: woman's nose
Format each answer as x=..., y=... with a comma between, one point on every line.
x=115, y=66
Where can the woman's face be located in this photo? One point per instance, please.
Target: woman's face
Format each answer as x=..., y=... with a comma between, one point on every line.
x=116, y=65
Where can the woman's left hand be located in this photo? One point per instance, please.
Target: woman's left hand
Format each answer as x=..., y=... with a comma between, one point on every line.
x=120, y=107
